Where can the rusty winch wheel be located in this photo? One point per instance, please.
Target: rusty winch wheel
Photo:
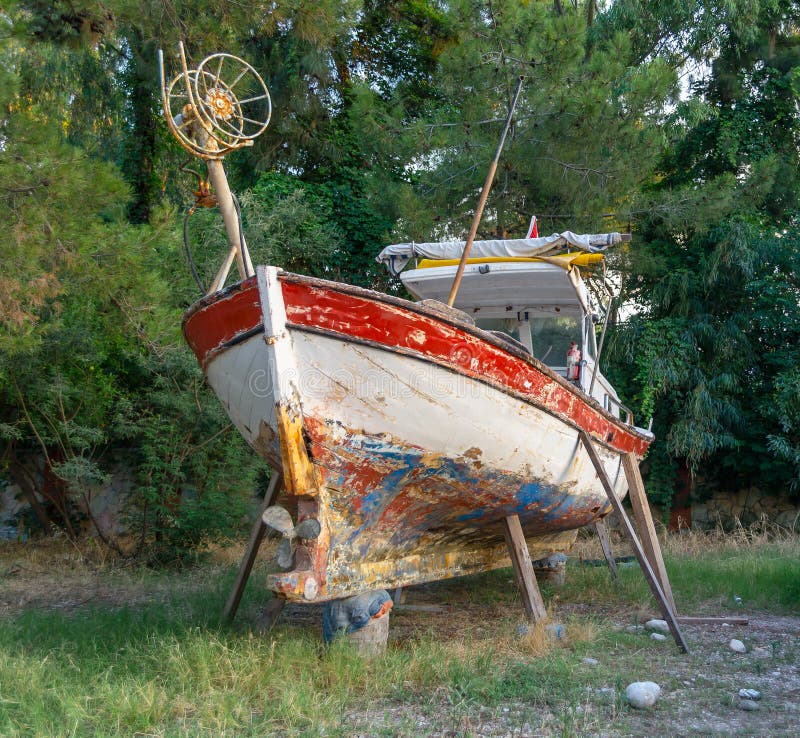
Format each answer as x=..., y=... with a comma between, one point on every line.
x=221, y=106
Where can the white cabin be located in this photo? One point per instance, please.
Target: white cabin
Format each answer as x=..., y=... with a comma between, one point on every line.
x=542, y=304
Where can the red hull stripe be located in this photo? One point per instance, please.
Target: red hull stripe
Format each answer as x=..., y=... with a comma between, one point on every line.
x=216, y=323
x=213, y=323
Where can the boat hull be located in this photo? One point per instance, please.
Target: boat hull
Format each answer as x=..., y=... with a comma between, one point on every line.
x=408, y=435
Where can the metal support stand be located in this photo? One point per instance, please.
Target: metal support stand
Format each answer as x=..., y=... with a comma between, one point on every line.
x=652, y=579
x=523, y=569
x=256, y=537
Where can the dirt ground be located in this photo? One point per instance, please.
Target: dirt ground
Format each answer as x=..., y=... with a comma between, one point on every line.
x=700, y=690
x=699, y=697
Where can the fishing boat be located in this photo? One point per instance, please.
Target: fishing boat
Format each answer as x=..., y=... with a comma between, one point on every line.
x=407, y=431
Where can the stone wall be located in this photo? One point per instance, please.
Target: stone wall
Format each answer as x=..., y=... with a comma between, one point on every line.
x=108, y=501
x=747, y=506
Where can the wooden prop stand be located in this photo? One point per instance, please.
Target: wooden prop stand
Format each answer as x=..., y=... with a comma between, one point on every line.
x=256, y=537
x=487, y=185
x=602, y=534
x=644, y=522
x=649, y=574
x=523, y=569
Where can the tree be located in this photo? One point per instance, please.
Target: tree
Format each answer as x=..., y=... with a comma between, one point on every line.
x=90, y=353
x=715, y=272
x=583, y=137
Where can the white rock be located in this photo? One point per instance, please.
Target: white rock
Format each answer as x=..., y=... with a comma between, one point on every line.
x=748, y=705
x=642, y=695
x=737, y=645
x=658, y=636
x=606, y=695
x=635, y=629
x=659, y=625
x=749, y=694
x=589, y=661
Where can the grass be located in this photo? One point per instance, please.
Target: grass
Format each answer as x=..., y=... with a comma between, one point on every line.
x=164, y=664
x=760, y=565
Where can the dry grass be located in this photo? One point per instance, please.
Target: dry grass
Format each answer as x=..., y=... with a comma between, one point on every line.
x=688, y=542
x=762, y=533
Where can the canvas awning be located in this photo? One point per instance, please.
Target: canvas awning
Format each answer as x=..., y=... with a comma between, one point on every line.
x=397, y=256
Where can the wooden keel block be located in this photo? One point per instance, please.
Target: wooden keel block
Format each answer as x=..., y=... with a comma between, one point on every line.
x=523, y=569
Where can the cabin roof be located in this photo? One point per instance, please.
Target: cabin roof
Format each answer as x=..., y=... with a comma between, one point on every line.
x=494, y=288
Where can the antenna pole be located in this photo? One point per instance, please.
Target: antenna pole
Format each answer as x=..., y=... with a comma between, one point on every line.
x=487, y=185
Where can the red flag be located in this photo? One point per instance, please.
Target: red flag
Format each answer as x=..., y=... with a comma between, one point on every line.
x=533, y=229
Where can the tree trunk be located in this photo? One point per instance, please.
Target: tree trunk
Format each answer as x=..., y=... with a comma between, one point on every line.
x=139, y=156
x=23, y=479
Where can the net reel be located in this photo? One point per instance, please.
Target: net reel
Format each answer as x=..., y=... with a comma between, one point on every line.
x=221, y=106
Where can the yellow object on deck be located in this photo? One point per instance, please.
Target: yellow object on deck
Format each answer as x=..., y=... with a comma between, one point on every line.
x=577, y=258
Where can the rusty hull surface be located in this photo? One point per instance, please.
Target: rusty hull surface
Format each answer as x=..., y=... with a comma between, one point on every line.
x=396, y=515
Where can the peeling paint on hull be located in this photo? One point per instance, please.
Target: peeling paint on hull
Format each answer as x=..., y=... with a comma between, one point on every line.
x=423, y=434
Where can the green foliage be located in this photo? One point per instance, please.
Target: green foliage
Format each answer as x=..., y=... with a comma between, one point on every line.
x=91, y=359
x=785, y=408
x=385, y=116
x=584, y=133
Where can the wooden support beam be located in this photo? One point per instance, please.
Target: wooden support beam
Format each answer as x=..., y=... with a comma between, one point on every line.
x=689, y=620
x=605, y=543
x=627, y=527
x=399, y=596
x=270, y=614
x=253, y=544
x=644, y=523
x=523, y=569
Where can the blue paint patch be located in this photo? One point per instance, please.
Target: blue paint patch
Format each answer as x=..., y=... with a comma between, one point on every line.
x=423, y=496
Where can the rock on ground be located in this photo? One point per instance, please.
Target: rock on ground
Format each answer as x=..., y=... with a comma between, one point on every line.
x=659, y=625
x=642, y=695
x=737, y=645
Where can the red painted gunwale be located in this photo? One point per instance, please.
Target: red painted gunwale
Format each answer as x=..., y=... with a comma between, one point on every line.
x=216, y=321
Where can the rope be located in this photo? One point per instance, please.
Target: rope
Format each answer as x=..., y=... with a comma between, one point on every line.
x=189, y=258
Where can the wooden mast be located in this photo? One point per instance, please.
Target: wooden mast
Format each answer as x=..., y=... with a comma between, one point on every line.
x=487, y=185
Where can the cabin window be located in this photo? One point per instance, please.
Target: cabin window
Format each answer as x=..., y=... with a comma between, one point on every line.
x=551, y=337
x=509, y=326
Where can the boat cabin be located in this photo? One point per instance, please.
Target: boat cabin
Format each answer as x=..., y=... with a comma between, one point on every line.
x=541, y=303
